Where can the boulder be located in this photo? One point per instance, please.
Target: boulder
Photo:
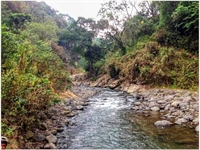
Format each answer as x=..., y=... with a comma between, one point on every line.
x=162, y=123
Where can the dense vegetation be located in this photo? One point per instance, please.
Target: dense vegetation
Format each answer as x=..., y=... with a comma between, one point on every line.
x=157, y=45
x=33, y=68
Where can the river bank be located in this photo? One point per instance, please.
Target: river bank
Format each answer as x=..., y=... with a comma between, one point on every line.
x=176, y=106
x=56, y=118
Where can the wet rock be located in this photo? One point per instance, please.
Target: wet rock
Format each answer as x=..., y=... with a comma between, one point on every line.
x=39, y=137
x=180, y=121
x=155, y=108
x=162, y=123
x=51, y=138
x=79, y=107
x=29, y=134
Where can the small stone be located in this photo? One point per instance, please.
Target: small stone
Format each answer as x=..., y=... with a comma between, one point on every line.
x=175, y=103
x=29, y=134
x=66, y=112
x=79, y=108
x=44, y=125
x=52, y=146
x=39, y=137
x=29, y=145
x=155, y=108
x=169, y=97
x=187, y=99
x=196, y=120
x=71, y=114
x=54, y=132
x=51, y=138
x=42, y=115
x=151, y=104
x=162, y=123
x=161, y=101
x=196, y=107
x=137, y=103
x=180, y=121
x=47, y=146
x=188, y=117
x=167, y=107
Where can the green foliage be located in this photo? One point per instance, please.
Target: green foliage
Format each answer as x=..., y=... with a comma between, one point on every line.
x=43, y=30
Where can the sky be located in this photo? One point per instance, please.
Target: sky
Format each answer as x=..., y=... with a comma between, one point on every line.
x=77, y=8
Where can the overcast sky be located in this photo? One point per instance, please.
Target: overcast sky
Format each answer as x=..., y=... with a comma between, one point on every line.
x=77, y=8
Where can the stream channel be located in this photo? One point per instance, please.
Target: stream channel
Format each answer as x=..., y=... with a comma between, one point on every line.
x=108, y=122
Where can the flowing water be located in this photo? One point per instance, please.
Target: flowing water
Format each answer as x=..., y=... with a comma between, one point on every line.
x=109, y=123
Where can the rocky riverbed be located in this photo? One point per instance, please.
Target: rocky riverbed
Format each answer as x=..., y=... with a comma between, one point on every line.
x=176, y=106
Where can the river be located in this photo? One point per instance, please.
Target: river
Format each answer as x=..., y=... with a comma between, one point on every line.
x=108, y=122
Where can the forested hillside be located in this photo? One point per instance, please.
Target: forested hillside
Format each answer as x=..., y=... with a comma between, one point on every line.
x=158, y=45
